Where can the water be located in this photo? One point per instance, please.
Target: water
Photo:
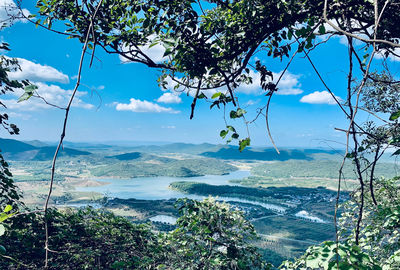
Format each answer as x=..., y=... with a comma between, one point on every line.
x=164, y=218
x=304, y=214
x=156, y=188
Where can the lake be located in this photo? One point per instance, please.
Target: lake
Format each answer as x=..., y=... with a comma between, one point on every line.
x=157, y=188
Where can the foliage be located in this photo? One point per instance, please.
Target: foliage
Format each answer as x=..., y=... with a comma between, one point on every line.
x=380, y=229
x=165, y=167
x=9, y=193
x=258, y=194
x=83, y=239
x=212, y=48
x=208, y=48
x=209, y=235
x=324, y=257
x=379, y=245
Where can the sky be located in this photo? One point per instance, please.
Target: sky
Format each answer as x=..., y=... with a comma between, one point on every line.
x=121, y=101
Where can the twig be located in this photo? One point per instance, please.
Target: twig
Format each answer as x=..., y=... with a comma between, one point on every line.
x=67, y=109
x=373, y=41
x=371, y=179
x=194, y=100
x=48, y=103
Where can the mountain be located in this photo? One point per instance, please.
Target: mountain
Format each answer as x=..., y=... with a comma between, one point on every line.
x=269, y=154
x=10, y=145
x=17, y=150
x=231, y=152
x=36, y=143
x=186, y=148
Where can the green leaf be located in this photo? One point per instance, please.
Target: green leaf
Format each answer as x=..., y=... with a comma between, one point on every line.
x=322, y=29
x=289, y=35
x=25, y=96
x=396, y=153
x=30, y=88
x=243, y=143
x=216, y=95
x=235, y=136
x=2, y=249
x=394, y=115
x=233, y=115
x=223, y=133
x=8, y=208
x=201, y=96
x=231, y=128
x=240, y=112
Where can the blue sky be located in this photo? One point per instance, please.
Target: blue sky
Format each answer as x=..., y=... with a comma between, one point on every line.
x=122, y=101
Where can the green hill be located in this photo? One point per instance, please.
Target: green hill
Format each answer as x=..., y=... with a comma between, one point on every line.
x=14, y=146
x=17, y=150
x=231, y=152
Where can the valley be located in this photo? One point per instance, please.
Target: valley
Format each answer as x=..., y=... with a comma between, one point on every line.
x=289, y=198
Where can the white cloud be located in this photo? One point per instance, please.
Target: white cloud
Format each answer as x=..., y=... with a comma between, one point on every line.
x=37, y=72
x=391, y=57
x=23, y=116
x=168, y=127
x=51, y=93
x=252, y=102
x=155, y=53
x=9, y=10
x=143, y=106
x=288, y=85
x=323, y=97
x=169, y=98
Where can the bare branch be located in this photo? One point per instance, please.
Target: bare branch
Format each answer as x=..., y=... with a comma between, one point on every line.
x=67, y=109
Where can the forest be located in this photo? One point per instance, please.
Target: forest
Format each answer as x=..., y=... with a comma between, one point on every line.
x=200, y=205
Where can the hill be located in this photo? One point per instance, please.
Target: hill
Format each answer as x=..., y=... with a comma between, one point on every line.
x=266, y=154
x=10, y=145
x=186, y=148
x=17, y=150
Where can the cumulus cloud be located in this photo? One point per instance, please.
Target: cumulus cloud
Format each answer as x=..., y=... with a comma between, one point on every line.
x=323, y=97
x=391, y=57
x=169, y=98
x=9, y=10
x=37, y=72
x=288, y=85
x=155, y=53
x=143, y=106
x=51, y=93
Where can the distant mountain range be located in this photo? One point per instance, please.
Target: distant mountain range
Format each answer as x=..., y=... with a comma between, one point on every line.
x=18, y=150
x=37, y=150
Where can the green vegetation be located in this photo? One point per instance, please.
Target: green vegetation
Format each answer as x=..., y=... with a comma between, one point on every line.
x=310, y=174
x=17, y=150
x=257, y=194
x=209, y=235
x=316, y=168
x=378, y=247
x=174, y=168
